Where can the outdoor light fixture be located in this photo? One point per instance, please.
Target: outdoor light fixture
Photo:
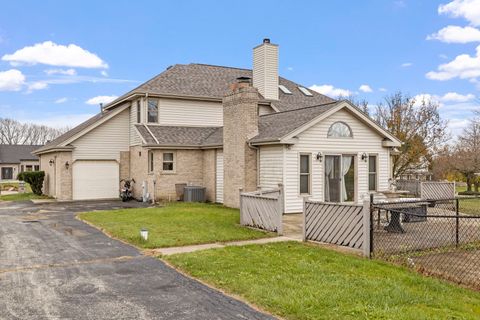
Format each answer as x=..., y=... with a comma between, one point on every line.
x=144, y=234
x=67, y=165
x=364, y=157
x=319, y=156
x=51, y=162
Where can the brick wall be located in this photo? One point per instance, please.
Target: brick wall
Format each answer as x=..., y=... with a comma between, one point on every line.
x=240, y=123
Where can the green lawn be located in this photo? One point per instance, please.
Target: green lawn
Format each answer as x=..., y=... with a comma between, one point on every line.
x=469, y=206
x=300, y=281
x=21, y=197
x=176, y=224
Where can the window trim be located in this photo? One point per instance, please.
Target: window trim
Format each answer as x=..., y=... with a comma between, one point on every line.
x=344, y=123
x=148, y=109
x=151, y=161
x=173, y=162
x=139, y=111
x=376, y=171
x=309, y=174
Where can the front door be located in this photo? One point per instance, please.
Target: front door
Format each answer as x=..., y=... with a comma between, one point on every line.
x=339, y=178
x=7, y=173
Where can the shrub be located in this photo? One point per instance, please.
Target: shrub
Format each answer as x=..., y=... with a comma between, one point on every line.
x=34, y=178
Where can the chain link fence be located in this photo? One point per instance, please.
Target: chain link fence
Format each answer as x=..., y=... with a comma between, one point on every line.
x=435, y=237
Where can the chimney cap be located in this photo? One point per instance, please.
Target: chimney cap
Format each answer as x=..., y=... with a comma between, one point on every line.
x=266, y=40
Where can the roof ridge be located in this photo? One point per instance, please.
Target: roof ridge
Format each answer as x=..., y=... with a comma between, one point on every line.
x=299, y=109
x=219, y=66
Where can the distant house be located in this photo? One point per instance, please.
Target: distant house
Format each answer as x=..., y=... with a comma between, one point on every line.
x=223, y=128
x=17, y=158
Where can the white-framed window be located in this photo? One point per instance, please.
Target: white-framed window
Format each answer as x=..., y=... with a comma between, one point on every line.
x=339, y=129
x=372, y=172
x=305, y=173
x=139, y=112
x=37, y=167
x=151, y=162
x=168, y=162
x=152, y=112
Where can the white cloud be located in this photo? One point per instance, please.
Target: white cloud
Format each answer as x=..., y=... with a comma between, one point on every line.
x=457, y=97
x=467, y=9
x=443, y=56
x=290, y=68
x=425, y=97
x=11, y=80
x=456, y=34
x=53, y=54
x=39, y=85
x=104, y=73
x=365, y=88
x=101, y=99
x=331, y=91
x=66, y=72
x=406, y=64
x=382, y=89
x=463, y=66
x=61, y=100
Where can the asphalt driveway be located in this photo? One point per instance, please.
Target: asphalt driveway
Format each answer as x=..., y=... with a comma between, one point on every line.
x=53, y=266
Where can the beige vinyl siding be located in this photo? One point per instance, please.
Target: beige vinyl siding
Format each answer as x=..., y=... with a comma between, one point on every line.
x=271, y=166
x=315, y=140
x=134, y=137
x=175, y=112
x=105, y=141
x=265, y=70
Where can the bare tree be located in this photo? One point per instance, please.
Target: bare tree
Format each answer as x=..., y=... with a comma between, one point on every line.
x=418, y=125
x=16, y=132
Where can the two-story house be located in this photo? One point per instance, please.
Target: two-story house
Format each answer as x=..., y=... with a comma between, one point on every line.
x=223, y=128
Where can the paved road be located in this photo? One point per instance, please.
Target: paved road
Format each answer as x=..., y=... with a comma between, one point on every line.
x=53, y=266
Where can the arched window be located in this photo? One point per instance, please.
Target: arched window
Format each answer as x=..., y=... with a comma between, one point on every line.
x=340, y=130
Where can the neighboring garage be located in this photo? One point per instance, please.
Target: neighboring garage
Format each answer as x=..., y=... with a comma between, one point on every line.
x=95, y=179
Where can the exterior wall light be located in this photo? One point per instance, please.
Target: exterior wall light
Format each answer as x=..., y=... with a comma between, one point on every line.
x=319, y=156
x=364, y=157
x=67, y=165
x=51, y=162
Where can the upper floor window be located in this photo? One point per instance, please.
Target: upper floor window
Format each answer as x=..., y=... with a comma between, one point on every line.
x=139, y=112
x=340, y=130
x=152, y=111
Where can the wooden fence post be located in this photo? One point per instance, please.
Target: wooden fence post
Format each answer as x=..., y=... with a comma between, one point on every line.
x=304, y=229
x=366, y=228
x=280, y=210
x=242, y=220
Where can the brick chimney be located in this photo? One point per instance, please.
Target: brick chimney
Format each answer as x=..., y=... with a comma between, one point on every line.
x=240, y=124
x=265, y=69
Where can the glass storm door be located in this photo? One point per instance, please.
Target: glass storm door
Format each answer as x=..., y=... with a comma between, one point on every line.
x=339, y=178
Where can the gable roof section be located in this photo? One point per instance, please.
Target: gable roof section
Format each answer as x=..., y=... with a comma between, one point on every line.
x=212, y=82
x=15, y=153
x=310, y=117
x=62, y=141
x=170, y=136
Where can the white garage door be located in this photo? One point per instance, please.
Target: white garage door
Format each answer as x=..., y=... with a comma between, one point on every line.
x=95, y=180
x=219, y=177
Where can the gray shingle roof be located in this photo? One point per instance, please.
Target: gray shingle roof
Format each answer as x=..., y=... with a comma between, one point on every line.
x=201, y=80
x=15, y=153
x=274, y=126
x=271, y=127
x=67, y=135
x=181, y=136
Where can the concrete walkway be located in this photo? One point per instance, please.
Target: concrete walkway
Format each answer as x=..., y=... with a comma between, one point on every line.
x=199, y=247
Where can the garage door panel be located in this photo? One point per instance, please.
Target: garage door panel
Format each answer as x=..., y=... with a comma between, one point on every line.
x=95, y=180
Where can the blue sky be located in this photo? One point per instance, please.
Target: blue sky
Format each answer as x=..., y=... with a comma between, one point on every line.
x=58, y=55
